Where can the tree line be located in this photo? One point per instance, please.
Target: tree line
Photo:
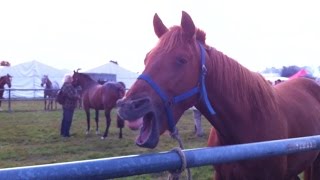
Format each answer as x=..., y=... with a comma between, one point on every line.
x=287, y=71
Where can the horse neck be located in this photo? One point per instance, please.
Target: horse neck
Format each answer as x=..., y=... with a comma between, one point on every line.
x=87, y=83
x=48, y=84
x=239, y=95
x=2, y=82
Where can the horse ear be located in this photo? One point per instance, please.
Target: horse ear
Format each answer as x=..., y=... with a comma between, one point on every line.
x=187, y=25
x=158, y=26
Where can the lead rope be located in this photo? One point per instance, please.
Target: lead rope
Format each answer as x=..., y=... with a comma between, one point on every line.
x=174, y=175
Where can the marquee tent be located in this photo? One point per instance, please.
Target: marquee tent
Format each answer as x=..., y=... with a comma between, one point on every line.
x=122, y=74
x=28, y=76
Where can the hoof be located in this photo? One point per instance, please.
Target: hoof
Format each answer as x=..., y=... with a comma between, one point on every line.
x=97, y=132
x=87, y=132
x=103, y=138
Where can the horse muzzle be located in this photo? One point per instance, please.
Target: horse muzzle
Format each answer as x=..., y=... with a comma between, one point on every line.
x=133, y=109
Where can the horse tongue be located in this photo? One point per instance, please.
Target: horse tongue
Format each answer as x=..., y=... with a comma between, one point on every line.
x=135, y=124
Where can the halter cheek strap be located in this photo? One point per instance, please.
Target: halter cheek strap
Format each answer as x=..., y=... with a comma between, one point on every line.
x=168, y=103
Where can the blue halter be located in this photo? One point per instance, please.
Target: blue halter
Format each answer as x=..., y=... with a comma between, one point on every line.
x=176, y=99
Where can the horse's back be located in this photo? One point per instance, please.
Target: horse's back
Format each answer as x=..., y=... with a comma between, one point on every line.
x=101, y=96
x=110, y=93
x=300, y=101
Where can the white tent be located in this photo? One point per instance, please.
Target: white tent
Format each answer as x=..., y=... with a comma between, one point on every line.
x=28, y=76
x=122, y=74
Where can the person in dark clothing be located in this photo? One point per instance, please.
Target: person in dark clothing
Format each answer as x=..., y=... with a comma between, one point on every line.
x=71, y=97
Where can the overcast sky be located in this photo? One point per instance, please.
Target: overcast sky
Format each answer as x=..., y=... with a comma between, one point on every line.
x=75, y=34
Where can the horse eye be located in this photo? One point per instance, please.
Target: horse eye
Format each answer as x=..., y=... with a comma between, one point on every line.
x=181, y=61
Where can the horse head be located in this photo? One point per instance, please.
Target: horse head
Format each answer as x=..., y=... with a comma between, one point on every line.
x=82, y=79
x=172, y=71
x=76, y=78
x=44, y=80
x=8, y=79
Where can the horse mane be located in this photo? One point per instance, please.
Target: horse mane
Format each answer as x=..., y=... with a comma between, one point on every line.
x=87, y=80
x=249, y=88
x=49, y=83
x=237, y=79
x=86, y=77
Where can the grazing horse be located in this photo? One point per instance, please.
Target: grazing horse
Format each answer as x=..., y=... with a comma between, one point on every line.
x=4, y=80
x=99, y=97
x=50, y=92
x=182, y=71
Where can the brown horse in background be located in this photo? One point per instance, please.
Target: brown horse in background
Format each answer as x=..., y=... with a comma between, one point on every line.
x=99, y=97
x=4, y=80
x=182, y=71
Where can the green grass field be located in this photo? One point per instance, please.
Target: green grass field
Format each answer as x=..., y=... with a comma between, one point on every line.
x=30, y=136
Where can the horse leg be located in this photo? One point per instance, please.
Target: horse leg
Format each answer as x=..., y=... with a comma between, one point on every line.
x=97, y=121
x=79, y=103
x=45, y=103
x=313, y=172
x=316, y=168
x=50, y=104
x=88, y=121
x=120, y=133
x=108, y=121
x=120, y=125
x=55, y=104
x=51, y=101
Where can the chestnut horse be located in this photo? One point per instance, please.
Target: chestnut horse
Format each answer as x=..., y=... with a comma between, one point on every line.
x=50, y=92
x=99, y=97
x=182, y=71
x=4, y=80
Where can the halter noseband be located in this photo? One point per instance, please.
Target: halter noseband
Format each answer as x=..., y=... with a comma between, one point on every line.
x=176, y=99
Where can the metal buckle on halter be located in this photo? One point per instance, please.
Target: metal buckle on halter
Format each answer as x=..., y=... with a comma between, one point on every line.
x=204, y=69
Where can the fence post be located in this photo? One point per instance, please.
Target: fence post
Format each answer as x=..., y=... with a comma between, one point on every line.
x=9, y=101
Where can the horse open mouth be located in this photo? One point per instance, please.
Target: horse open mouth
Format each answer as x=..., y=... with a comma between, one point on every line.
x=140, y=114
x=146, y=129
x=148, y=136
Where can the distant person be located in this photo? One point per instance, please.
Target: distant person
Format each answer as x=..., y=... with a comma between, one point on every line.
x=197, y=122
x=277, y=82
x=71, y=98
